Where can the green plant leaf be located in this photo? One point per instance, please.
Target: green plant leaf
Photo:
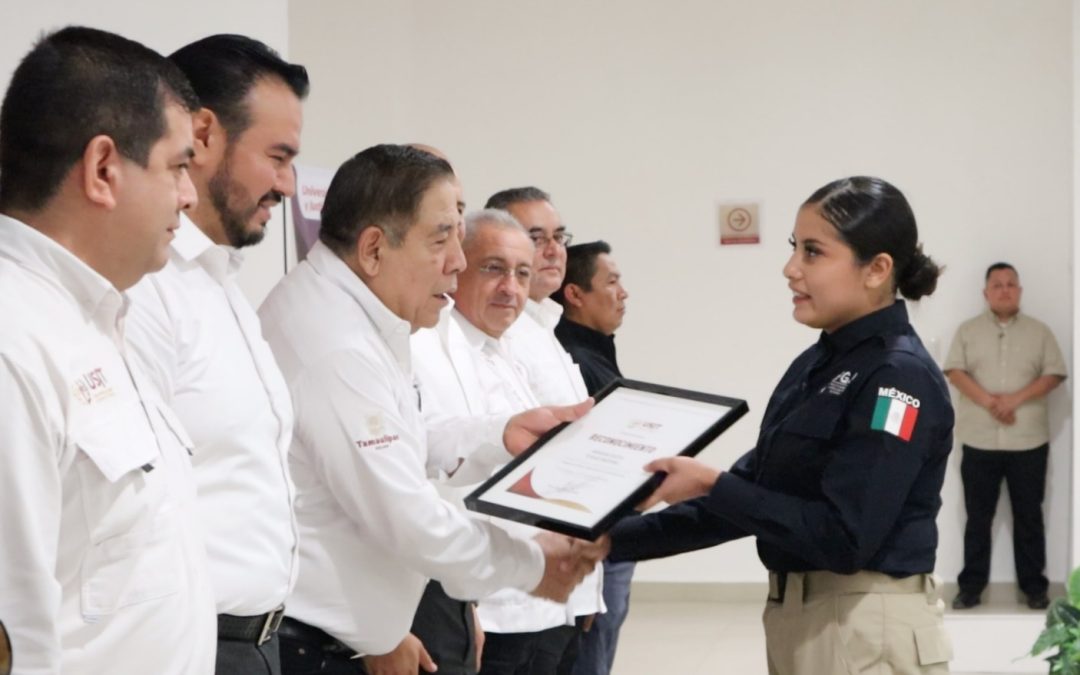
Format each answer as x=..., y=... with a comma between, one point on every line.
x=1074, y=587
x=1052, y=636
x=1061, y=612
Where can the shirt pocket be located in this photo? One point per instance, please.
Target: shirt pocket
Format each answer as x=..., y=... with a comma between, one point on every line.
x=816, y=419
x=133, y=554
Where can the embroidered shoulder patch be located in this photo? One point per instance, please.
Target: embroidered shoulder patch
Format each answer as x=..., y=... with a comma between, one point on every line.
x=895, y=413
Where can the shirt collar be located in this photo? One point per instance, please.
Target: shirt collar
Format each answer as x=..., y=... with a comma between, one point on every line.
x=394, y=330
x=475, y=337
x=994, y=320
x=42, y=255
x=889, y=320
x=193, y=246
x=445, y=317
x=547, y=312
x=587, y=337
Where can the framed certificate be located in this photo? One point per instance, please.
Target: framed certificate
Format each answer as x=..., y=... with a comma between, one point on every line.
x=581, y=477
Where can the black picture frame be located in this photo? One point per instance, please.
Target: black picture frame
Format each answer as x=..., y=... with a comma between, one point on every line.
x=475, y=501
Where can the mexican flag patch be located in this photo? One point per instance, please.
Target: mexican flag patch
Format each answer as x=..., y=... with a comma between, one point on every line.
x=895, y=413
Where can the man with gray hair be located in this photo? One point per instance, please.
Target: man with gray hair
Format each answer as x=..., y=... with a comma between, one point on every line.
x=470, y=367
x=553, y=377
x=373, y=530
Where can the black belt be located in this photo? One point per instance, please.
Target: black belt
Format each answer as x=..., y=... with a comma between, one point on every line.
x=258, y=629
x=302, y=632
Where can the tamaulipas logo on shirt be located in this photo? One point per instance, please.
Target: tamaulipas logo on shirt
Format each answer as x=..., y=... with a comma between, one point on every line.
x=895, y=412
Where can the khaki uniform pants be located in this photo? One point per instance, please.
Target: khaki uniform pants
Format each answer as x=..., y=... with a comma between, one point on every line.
x=866, y=623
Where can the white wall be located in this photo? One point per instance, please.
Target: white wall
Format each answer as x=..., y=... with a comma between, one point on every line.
x=164, y=27
x=1074, y=548
x=639, y=117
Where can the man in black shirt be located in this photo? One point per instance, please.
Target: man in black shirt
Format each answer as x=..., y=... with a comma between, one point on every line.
x=594, y=302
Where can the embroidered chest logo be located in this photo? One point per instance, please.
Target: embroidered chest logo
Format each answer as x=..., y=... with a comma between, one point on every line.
x=895, y=413
x=839, y=383
x=380, y=439
x=91, y=387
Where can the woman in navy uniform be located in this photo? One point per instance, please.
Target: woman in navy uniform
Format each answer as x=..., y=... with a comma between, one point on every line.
x=843, y=487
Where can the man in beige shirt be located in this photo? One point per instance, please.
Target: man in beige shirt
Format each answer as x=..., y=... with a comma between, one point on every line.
x=1004, y=363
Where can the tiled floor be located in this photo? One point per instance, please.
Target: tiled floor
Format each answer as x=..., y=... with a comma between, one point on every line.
x=687, y=638
x=673, y=638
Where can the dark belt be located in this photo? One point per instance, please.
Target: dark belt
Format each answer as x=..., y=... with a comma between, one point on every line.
x=258, y=629
x=819, y=583
x=316, y=637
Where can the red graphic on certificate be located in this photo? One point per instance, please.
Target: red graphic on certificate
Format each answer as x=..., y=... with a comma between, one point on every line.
x=524, y=487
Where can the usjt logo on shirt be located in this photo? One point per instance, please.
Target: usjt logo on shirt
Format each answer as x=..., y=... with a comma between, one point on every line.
x=895, y=412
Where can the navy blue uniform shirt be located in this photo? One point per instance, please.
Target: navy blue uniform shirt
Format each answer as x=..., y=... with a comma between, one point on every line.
x=847, y=471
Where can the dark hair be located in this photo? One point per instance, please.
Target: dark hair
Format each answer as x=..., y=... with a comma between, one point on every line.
x=580, y=267
x=381, y=186
x=873, y=217
x=504, y=198
x=75, y=84
x=999, y=266
x=224, y=68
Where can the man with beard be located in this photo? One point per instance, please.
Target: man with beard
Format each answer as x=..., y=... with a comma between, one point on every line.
x=199, y=338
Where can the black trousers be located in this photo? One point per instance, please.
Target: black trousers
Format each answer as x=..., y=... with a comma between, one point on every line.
x=306, y=650
x=235, y=657
x=573, y=646
x=445, y=626
x=525, y=653
x=1024, y=472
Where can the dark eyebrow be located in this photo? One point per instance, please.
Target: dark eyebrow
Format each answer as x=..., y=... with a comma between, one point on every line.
x=185, y=154
x=286, y=149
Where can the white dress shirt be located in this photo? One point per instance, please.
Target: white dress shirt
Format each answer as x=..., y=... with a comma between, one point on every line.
x=454, y=407
x=373, y=529
x=102, y=566
x=197, y=337
x=466, y=371
x=554, y=379
x=553, y=375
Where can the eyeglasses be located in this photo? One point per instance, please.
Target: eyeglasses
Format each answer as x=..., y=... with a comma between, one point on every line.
x=522, y=274
x=561, y=238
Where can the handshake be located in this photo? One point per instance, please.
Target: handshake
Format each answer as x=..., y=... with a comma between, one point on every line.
x=566, y=562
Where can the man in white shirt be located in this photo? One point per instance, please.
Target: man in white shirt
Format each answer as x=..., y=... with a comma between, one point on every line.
x=102, y=566
x=523, y=633
x=200, y=340
x=552, y=375
x=372, y=527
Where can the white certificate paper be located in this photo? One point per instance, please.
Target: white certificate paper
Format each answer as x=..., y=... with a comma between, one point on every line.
x=588, y=469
